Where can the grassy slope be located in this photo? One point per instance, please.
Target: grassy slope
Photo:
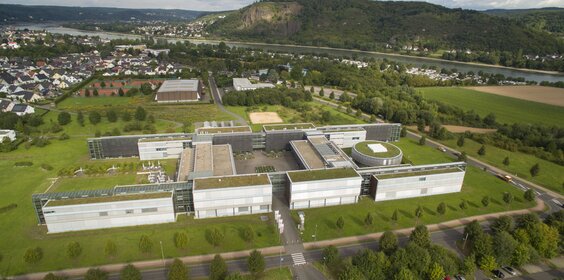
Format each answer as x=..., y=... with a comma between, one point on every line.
x=420, y=154
x=550, y=174
x=506, y=109
x=477, y=184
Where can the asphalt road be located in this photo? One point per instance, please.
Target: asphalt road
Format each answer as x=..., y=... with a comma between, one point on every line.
x=219, y=103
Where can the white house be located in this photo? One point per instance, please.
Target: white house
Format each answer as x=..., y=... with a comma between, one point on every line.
x=7, y=133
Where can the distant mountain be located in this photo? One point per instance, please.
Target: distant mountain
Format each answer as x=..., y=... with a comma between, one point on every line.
x=369, y=25
x=545, y=19
x=22, y=13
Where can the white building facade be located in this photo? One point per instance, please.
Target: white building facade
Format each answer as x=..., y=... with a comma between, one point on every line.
x=345, y=139
x=87, y=216
x=161, y=149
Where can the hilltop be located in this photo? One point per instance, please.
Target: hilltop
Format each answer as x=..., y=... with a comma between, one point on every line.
x=370, y=25
x=546, y=19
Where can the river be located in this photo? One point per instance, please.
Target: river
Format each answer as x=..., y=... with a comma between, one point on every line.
x=530, y=75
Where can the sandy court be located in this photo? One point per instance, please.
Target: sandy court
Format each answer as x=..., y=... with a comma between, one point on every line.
x=547, y=95
x=265, y=117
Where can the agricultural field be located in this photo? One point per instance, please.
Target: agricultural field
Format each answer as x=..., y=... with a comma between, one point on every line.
x=550, y=175
x=546, y=95
x=476, y=185
x=506, y=109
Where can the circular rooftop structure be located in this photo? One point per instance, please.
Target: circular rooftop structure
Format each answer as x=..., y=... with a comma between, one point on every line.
x=375, y=153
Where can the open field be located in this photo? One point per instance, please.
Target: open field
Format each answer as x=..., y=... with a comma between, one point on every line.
x=550, y=175
x=113, y=86
x=418, y=155
x=546, y=95
x=476, y=185
x=264, y=117
x=506, y=109
x=75, y=104
x=190, y=113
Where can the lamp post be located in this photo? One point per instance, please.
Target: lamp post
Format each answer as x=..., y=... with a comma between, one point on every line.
x=162, y=253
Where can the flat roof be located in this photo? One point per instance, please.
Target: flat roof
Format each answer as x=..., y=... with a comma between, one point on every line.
x=308, y=154
x=204, y=154
x=418, y=173
x=227, y=129
x=289, y=126
x=365, y=148
x=164, y=139
x=231, y=181
x=322, y=174
x=246, y=83
x=222, y=161
x=103, y=199
x=185, y=164
x=180, y=85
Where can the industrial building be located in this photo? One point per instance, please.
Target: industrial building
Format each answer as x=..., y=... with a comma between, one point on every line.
x=209, y=185
x=176, y=91
x=242, y=84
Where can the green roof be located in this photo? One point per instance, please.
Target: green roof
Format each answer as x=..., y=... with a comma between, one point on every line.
x=212, y=130
x=290, y=126
x=163, y=139
x=103, y=199
x=363, y=148
x=231, y=181
x=322, y=174
x=418, y=173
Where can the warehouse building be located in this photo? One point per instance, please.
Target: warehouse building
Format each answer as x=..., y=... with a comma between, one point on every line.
x=242, y=84
x=176, y=91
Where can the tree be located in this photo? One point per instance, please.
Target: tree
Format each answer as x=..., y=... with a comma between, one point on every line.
x=503, y=223
x=503, y=247
x=507, y=197
x=255, y=263
x=180, y=240
x=404, y=274
x=395, y=216
x=419, y=212
x=340, y=223
x=436, y=272
x=96, y=274
x=145, y=244
x=51, y=276
x=529, y=195
x=535, y=170
x=441, y=209
x=235, y=276
x=103, y=84
x=521, y=255
x=218, y=268
x=482, y=151
x=368, y=219
x=74, y=250
x=177, y=271
x=330, y=255
x=130, y=272
x=422, y=140
x=140, y=114
x=388, y=242
x=506, y=161
x=350, y=272
x=312, y=90
x=120, y=92
x=463, y=205
x=126, y=116
x=332, y=95
x=33, y=255
x=469, y=265
x=473, y=230
x=80, y=118
x=214, y=236
x=403, y=131
x=112, y=115
x=420, y=236
x=87, y=93
x=486, y=201
x=248, y=234
x=460, y=141
x=64, y=118
x=487, y=263
x=321, y=92
x=545, y=240
x=110, y=249
x=94, y=117
x=95, y=92
x=462, y=156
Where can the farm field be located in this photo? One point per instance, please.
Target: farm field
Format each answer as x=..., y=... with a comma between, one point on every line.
x=506, y=109
x=546, y=95
x=550, y=175
x=476, y=185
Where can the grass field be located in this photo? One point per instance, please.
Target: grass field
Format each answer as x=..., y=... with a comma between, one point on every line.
x=506, y=109
x=75, y=104
x=550, y=175
x=476, y=185
x=418, y=154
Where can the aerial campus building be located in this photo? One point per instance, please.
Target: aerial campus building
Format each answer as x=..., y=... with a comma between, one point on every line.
x=228, y=170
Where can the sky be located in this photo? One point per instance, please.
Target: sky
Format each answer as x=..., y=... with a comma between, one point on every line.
x=221, y=5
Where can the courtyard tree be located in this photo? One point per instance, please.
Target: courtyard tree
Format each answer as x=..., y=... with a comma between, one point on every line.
x=177, y=271
x=535, y=170
x=214, y=236
x=340, y=223
x=96, y=274
x=94, y=117
x=486, y=201
x=218, y=268
x=64, y=118
x=33, y=255
x=441, y=209
x=130, y=272
x=529, y=195
x=110, y=249
x=145, y=244
x=255, y=263
x=180, y=240
x=420, y=236
x=74, y=250
x=388, y=242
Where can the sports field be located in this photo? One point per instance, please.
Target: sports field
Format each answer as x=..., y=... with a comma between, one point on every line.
x=546, y=95
x=506, y=109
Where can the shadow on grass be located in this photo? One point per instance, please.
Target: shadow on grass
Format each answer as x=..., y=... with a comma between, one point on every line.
x=330, y=224
x=472, y=204
x=383, y=217
x=452, y=208
x=406, y=214
x=429, y=211
x=357, y=220
x=495, y=201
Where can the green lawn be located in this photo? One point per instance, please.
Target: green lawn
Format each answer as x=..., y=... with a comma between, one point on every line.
x=550, y=175
x=283, y=273
x=101, y=102
x=506, y=109
x=477, y=184
x=418, y=154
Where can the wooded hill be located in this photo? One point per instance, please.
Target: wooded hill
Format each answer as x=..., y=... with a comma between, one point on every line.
x=371, y=25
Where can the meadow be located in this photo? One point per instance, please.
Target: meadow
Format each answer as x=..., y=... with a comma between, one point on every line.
x=506, y=109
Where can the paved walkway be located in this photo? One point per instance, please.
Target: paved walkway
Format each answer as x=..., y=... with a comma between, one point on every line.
x=219, y=103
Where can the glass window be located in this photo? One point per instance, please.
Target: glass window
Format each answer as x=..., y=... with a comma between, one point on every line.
x=149, y=210
x=244, y=209
x=128, y=211
x=264, y=207
x=103, y=214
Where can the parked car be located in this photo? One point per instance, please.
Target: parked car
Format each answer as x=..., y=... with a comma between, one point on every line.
x=459, y=277
x=442, y=149
x=510, y=270
x=497, y=273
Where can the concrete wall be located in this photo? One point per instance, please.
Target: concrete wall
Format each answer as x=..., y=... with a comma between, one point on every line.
x=416, y=186
x=323, y=193
x=240, y=142
x=375, y=161
x=280, y=140
x=161, y=149
x=209, y=203
x=109, y=214
x=346, y=139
